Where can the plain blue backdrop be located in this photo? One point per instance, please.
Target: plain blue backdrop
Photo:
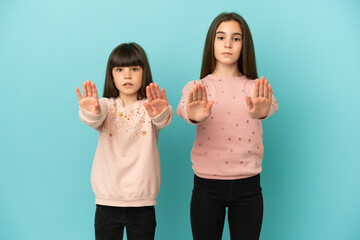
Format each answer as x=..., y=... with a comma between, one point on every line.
x=309, y=51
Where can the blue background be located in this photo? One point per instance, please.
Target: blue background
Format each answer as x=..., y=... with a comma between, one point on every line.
x=309, y=51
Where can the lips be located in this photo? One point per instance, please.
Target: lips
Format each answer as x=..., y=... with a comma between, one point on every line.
x=227, y=53
x=127, y=84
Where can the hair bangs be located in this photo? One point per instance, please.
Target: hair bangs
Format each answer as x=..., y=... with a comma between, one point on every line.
x=127, y=56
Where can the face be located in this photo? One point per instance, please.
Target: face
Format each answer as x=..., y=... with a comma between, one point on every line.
x=228, y=43
x=128, y=80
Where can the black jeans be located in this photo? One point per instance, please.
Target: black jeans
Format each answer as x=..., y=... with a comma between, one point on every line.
x=140, y=223
x=244, y=201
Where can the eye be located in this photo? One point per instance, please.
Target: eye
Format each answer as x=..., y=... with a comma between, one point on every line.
x=237, y=39
x=135, y=69
x=118, y=69
x=220, y=38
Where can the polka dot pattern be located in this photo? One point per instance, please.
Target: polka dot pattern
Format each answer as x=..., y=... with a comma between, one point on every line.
x=229, y=141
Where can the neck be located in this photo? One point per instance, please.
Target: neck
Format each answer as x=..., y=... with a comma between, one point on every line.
x=127, y=100
x=226, y=70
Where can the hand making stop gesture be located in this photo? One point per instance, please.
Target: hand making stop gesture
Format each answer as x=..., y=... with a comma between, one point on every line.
x=90, y=101
x=198, y=108
x=157, y=101
x=259, y=104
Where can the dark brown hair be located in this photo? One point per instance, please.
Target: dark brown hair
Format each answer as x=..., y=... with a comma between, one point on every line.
x=126, y=55
x=246, y=63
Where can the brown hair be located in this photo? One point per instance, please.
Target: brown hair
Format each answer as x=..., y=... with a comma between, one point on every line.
x=246, y=63
x=126, y=55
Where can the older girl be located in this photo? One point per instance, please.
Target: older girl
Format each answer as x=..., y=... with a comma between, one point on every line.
x=227, y=104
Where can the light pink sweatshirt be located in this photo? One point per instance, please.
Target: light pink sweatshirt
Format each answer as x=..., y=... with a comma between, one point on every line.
x=229, y=144
x=126, y=166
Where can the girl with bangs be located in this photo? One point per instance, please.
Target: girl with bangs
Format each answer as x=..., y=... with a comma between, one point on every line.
x=227, y=105
x=125, y=175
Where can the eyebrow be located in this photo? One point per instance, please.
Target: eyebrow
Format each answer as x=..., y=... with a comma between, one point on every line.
x=221, y=32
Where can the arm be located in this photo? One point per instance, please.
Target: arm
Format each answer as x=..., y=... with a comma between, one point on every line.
x=158, y=106
x=262, y=104
x=92, y=111
x=194, y=106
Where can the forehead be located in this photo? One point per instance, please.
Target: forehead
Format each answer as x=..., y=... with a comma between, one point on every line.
x=229, y=27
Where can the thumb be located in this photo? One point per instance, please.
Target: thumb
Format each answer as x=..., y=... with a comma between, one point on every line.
x=147, y=106
x=248, y=102
x=209, y=106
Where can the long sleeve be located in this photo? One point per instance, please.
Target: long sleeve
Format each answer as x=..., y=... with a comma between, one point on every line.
x=274, y=104
x=164, y=118
x=274, y=107
x=229, y=144
x=94, y=120
x=126, y=170
x=181, y=109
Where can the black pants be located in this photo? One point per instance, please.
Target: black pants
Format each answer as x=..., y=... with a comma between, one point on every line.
x=244, y=201
x=140, y=223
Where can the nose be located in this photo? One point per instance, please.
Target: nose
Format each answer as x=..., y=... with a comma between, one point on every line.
x=127, y=73
x=228, y=43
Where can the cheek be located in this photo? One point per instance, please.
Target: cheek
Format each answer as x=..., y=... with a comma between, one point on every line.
x=216, y=50
x=216, y=47
x=139, y=78
x=115, y=79
x=117, y=84
x=238, y=50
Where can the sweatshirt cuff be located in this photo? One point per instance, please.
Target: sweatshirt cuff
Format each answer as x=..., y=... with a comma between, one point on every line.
x=89, y=116
x=163, y=116
x=191, y=122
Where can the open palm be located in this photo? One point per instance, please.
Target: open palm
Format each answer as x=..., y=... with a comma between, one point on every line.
x=90, y=100
x=198, y=108
x=258, y=105
x=157, y=101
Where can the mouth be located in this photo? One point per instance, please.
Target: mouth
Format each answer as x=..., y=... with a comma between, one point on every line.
x=227, y=53
x=127, y=84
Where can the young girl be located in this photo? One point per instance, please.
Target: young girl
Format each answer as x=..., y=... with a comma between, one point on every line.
x=125, y=174
x=228, y=149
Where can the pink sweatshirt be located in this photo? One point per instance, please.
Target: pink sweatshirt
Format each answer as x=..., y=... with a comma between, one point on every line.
x=126, y=166
x=229, y=144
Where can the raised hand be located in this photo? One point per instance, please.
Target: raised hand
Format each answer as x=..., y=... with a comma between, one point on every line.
x=198, y=108
x=157, y=101
x=258, y=105
x=90, y=101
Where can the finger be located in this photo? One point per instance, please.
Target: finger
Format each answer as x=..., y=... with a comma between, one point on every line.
x=78, y=94
x=84, y=90
x=256, y=89
x=270, y=93
x=261, y=87
x=266, y=89
x=190, y=97
x=164, y=94
x=94, y=91
x=152, y=90
x=88, y=87
x=148, y=94
x=248, y=103
x=147, y=106
x=204, y=94
x=157, y=91
x=199, y=96
x=195, y=92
